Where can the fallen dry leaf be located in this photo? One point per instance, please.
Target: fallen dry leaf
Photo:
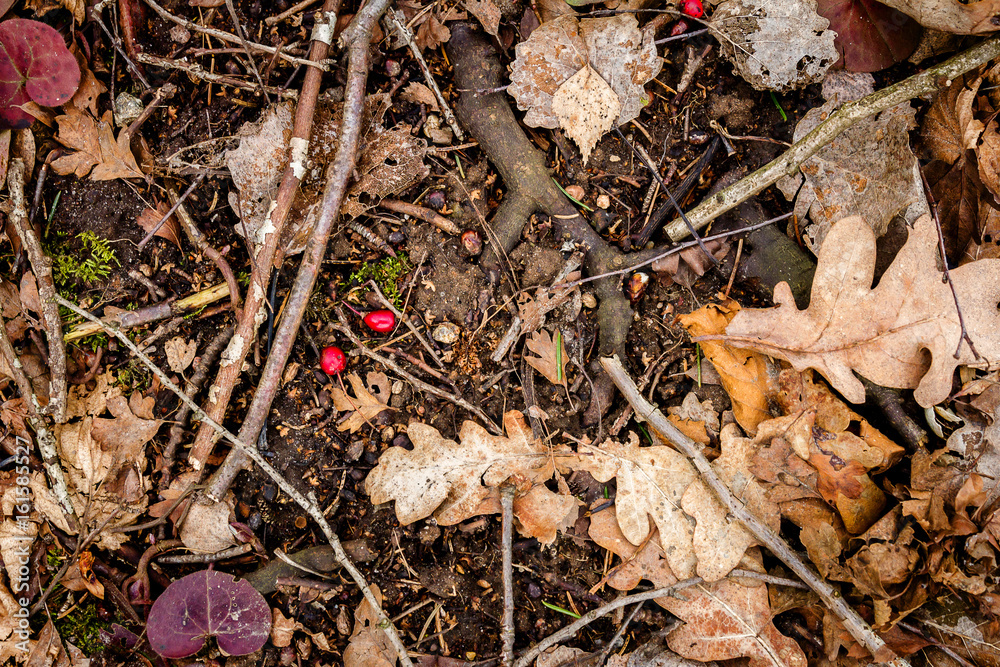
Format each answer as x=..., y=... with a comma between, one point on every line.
x=775, y=44
x=169, y=230
x=659, y=482
x=686, y=266
x=487, y=12
x=868, y=170
x=364, y=406
x=95, y=149
x=392, y=161
x=587, y=108
x=454, y=481
x=368, y=645
x=206, y=526
x=964, y=18
x=551, y=359
x=180, y=353
x=743, y=374
x=621, y=55
x=885, y=333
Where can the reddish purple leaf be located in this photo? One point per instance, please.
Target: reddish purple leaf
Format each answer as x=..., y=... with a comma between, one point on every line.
x=34, y=65
x=870, y=36
x=208, y=604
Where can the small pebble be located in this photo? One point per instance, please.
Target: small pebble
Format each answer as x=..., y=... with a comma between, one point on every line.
x=397, y=237
x=180, y=34
x=446, y=333
x=588, y=300
x=576, y=192
x=127, y=108
x=402, y=440
x=392, y=68
x=534, y=590
x=603, y=201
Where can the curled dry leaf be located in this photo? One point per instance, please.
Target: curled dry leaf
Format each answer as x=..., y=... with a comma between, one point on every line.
x=368, y=645
x=180, y=353
x=775, y=44
x=904, y=333
x=623, y=58
x=743, y=374
x=169, y=230
x=868, y=170
x=95, y=149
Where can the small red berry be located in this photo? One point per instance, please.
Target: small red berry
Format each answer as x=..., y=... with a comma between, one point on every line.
x=332, y=360
x=693, y=8
x=381, y=321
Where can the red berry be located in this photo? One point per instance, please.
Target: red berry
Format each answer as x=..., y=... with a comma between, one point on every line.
x=381, y=321
x=693, y=8
x=332, y=360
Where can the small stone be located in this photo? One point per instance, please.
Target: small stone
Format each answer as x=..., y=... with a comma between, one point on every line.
x=429, y=533
x=534, y=590
x=588, y=300
x=698, y=137
x=576, y=192
x=392, y=68
x=127, y=109
x=614, y=158
x=603, y=201
x=446, y=333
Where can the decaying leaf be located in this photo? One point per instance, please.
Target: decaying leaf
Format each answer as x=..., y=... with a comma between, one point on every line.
x=659, y=482
x=95, y=149
x=964, y=18
x=743, y=374
x=180, y=353
x=903, y=333
x=587, y=108
x=392, y=161
x=170, y=230
x=775, y=44
x=686, y=266
x=552, y=357
x=487, y=12
x=621, y=55
x=206, y=525
x=868, y=170
x=369, y=646
x=363, y=406
x=454, y=481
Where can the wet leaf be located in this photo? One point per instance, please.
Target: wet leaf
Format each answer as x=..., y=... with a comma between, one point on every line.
x=208, y=604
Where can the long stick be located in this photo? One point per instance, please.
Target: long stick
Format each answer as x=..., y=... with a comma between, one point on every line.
x=788, y=163
x=645, y=411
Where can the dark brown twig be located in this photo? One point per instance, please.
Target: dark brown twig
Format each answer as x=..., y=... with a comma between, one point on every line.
x=421, y=213
x=946, y=274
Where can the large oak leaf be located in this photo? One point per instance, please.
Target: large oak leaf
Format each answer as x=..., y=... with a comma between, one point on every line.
x=902, y=333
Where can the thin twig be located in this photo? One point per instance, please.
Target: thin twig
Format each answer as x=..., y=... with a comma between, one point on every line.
x=227, y=37
x=422, y=213
x=225, y=554
x=308, y=504
x=409, y=324
x=787, y=164
x=196, y=70
x=41, y=265
x=852, y=622
x=946, y=273
x=246, y=47
x=399, y=22
x=507, y=629
x=116, y=43
x=291, y=11
x=166, y=216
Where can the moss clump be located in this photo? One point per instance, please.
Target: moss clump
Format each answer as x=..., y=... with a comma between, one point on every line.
x=387, y=274
x=82, y=626
x=94, y=261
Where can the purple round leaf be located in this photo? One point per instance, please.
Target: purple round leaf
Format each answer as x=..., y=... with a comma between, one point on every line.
x=208, y=604
x=34, y=64
x=870, y=35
